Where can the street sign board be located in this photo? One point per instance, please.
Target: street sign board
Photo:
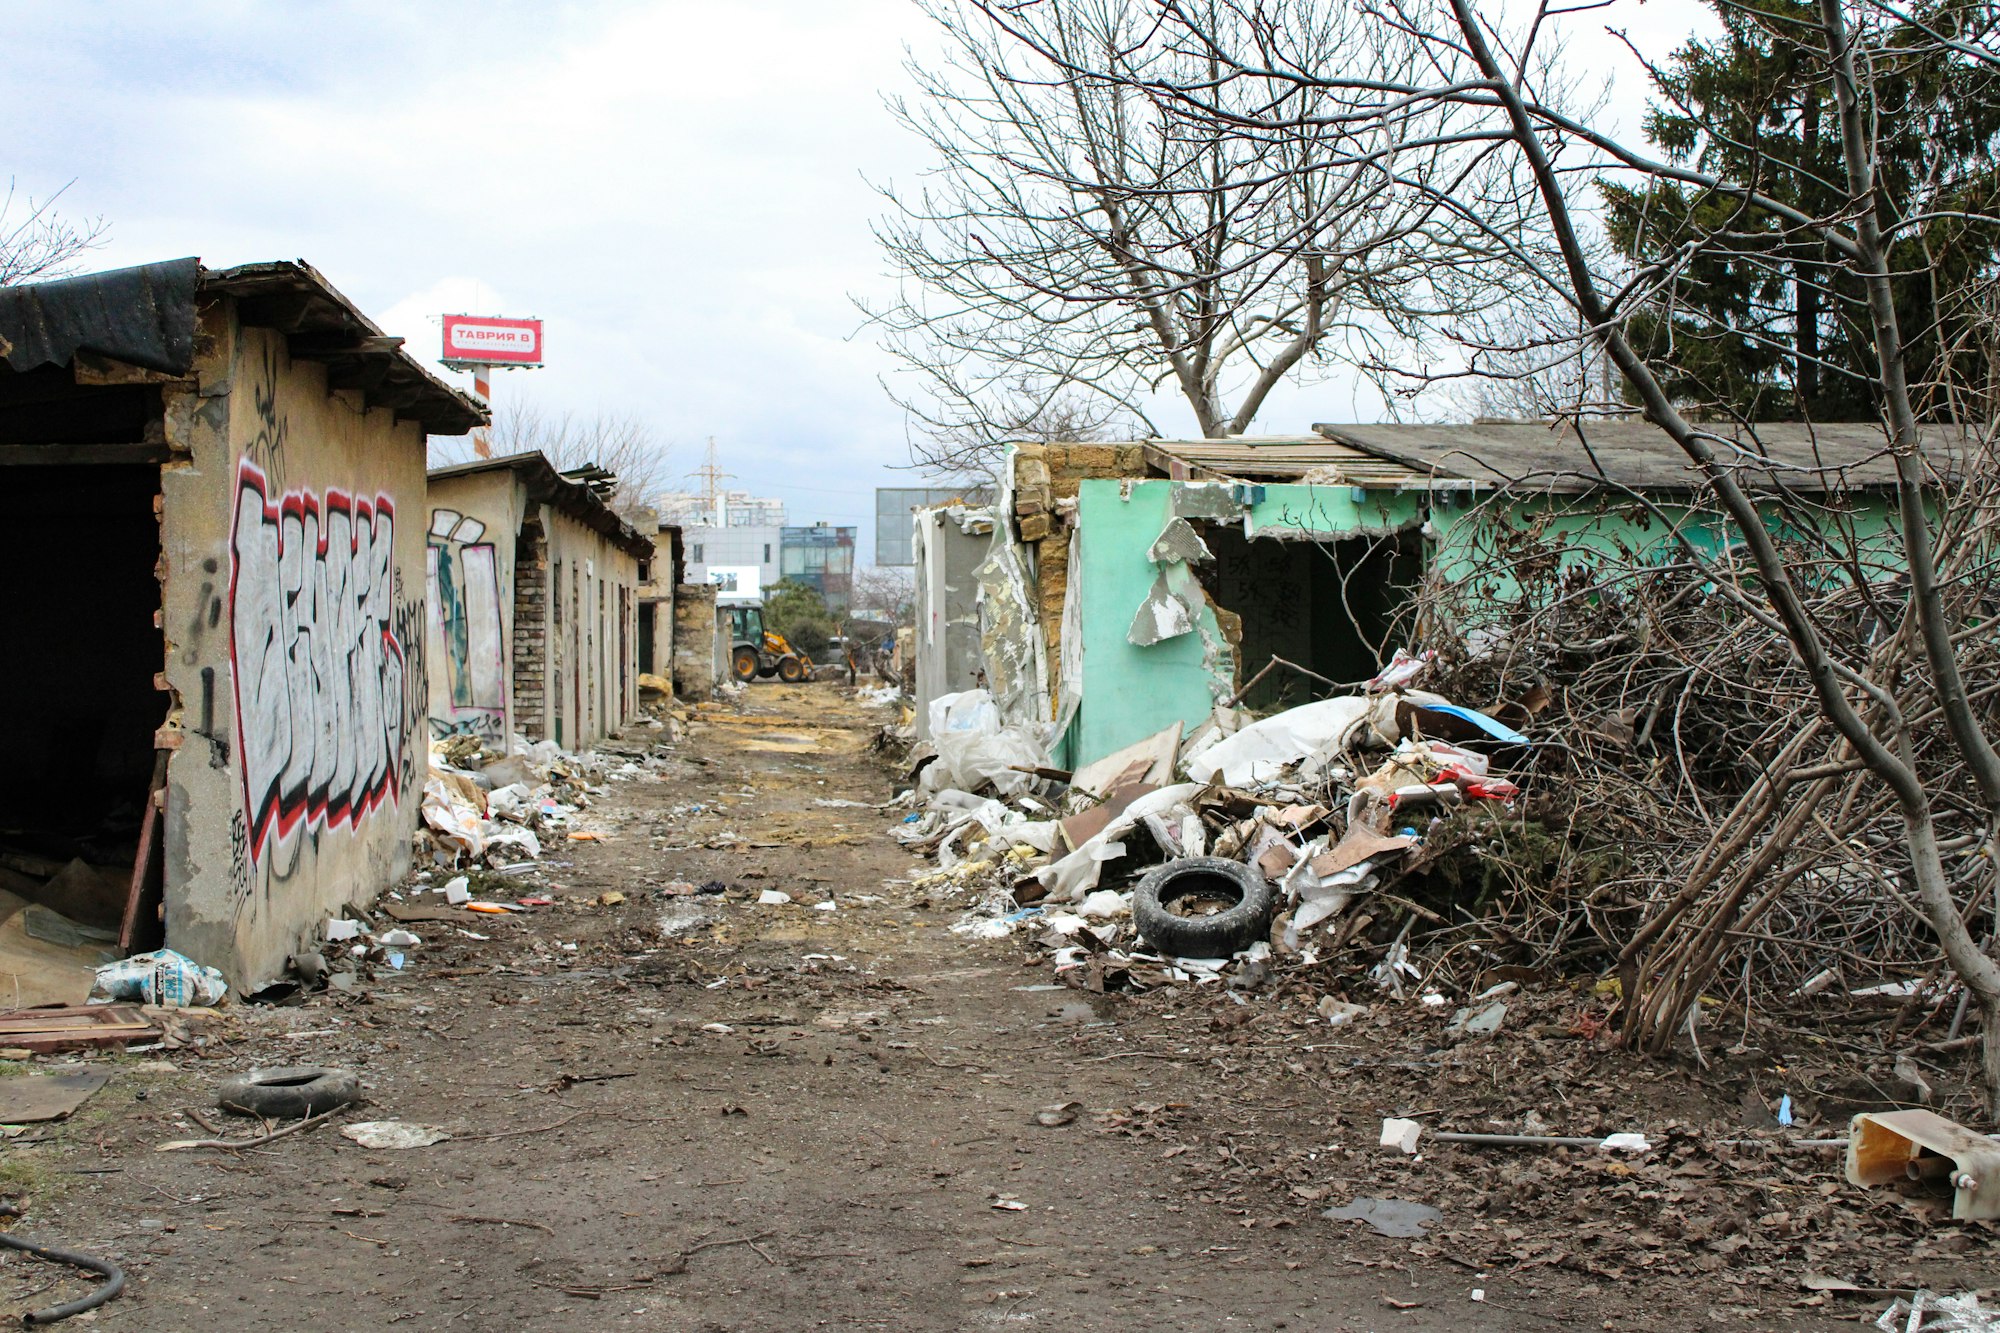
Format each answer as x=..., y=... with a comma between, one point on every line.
x=474, y=340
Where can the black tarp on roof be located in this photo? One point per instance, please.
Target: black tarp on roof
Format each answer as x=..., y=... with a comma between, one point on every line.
x=144, y=316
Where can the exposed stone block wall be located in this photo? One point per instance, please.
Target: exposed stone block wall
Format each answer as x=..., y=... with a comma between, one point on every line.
x=531, y=632
x=1046, y=479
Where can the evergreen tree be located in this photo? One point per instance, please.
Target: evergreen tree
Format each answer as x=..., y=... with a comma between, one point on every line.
x=1761, y=329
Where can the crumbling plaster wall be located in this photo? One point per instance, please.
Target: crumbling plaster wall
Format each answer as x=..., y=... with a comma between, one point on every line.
x=1588, y=527
x=948, y=545
x=1132, y=589
x=292, y=535
x=1047, y=478
x=699, y=642
x=593, y=637
x=473, y=525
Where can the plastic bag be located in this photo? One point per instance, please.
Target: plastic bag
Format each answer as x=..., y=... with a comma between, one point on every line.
x=974, y=748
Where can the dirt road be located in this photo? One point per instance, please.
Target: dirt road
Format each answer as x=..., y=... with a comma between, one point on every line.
x=693, y=1111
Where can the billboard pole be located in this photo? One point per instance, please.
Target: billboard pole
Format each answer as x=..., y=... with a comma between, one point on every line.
x=478, y=343
x=482, y=389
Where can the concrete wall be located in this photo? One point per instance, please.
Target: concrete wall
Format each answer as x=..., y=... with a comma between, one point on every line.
x=560, y=665
x=292, y=535
x=699, y=653
x=472, y=535
x=656, y=600
x=758, y=544
x=947, y=548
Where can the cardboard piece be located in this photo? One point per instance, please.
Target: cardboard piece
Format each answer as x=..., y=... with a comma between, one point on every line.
x=32, y=1097
x=1080, y=828
x=1359, y=845
x=1158, y=752
x=38, y=971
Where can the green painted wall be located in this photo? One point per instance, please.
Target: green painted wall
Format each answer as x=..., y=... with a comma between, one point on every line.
x=1131, y=691
x=1583, y=525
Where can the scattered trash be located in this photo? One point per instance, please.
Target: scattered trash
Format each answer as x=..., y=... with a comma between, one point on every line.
x=773, y=898
x=1401, y=1135
x=393, y=1134
x=1052, y=1117
x=1889, y=1146
x=1928, y=1312
x=165, y=978
x=1387, y=1217
x=1007, y=1203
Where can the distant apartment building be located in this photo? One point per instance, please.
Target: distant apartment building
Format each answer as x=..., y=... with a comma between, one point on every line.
x=730, y=530
x=821, y=557
x=895, y=515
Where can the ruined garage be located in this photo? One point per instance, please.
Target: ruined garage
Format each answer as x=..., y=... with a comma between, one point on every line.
x=215, y=481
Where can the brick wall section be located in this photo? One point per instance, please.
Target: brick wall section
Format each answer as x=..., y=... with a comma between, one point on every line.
x=1046, y=479
x=531, y=631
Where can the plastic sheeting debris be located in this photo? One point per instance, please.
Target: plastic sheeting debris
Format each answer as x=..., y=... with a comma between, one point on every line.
x=165, y=978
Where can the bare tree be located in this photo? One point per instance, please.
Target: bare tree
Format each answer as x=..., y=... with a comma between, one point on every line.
x=948, y=443
x=1900, y=671
x=1080, y=238
x=622, y=445
x=38, y=243
x=885, y=593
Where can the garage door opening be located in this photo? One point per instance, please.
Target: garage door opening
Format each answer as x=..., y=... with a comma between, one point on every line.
x=79, y=706
x=1331, y=607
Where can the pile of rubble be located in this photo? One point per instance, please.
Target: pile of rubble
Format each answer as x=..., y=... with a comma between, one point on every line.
x=1197, y=856
x=483, y=807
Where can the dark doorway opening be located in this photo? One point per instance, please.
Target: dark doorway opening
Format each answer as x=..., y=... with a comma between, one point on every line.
x=79, y=704
x=1331, y=606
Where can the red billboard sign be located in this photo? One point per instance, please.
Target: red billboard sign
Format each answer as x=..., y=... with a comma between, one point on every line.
x=473, y=340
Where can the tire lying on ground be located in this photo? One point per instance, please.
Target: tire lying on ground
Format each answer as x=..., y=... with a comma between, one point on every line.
x=1202, y=907
x=292, y=1092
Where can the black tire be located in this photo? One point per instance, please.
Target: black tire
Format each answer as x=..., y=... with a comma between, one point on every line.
x=743, y=664
x=791, y=670
x=1218, y=934
x=289, y=1093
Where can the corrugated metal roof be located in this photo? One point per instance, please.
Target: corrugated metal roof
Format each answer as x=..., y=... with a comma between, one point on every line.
x=1282, y=458
x=1574, y=456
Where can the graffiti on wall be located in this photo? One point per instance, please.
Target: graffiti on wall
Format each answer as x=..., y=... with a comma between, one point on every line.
x=319, y=668
x=462, y=585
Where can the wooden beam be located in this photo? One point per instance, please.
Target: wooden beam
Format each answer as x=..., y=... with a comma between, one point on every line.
x=63, y=455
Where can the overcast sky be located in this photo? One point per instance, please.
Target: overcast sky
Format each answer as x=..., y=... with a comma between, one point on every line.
x=680, y=188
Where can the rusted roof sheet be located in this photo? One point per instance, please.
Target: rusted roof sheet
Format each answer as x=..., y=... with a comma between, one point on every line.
x=545, y=485
x=146, y=317
x=1576, y=456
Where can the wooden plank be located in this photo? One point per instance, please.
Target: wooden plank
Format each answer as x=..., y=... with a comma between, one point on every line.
x=65, y=455
x=139, y=931
x=62, y=1027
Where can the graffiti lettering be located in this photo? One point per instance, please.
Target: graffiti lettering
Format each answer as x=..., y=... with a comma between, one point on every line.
x=462, y=585
x=320, y=715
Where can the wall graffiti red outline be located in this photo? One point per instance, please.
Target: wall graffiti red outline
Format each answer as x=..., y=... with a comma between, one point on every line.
x=353, y=738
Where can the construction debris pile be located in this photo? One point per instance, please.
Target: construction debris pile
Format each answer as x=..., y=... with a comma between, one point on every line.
x=485, y=808
x=1298, y=836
